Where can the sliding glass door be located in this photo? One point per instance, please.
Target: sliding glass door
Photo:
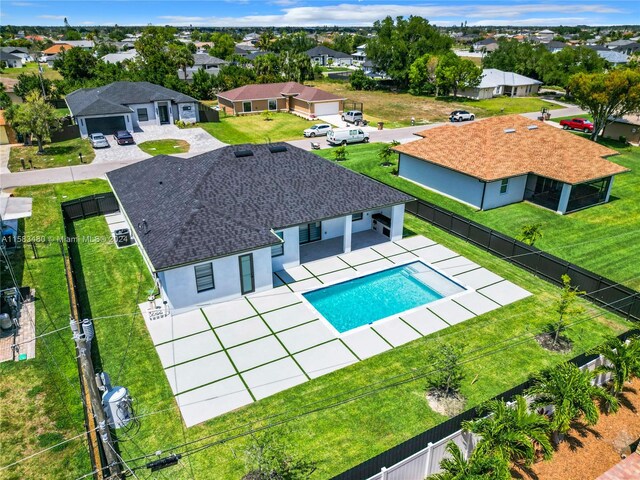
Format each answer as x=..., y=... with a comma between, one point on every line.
x=247, y=280
x=311, y=232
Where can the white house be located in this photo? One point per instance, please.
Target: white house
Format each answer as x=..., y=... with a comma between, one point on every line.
x=119, y=57
x=496, y=82
x=21, y=52
x=324, y=56
x=129, y=106
x=361, y=55
x=218, y=225
x=10, y=60
x=507, y=159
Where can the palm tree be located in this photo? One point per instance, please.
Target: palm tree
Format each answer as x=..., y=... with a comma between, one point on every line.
x=477, y=467
x=623, y=361
x=182, y=57
x=513, y=433
x=570, y=391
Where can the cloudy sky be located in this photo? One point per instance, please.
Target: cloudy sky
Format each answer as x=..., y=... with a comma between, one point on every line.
x=317, y=12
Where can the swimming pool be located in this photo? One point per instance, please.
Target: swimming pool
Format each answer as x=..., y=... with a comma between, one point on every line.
x=364, y=300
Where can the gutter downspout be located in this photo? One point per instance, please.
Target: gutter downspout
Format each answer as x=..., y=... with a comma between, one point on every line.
x=484, y=190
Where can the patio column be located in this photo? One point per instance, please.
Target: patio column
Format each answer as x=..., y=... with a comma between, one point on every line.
x=606, y=198
x=564, y=198
x=397, y=222
x=346, y=239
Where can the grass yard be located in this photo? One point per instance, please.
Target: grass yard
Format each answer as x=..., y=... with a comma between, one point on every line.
x=164, y=147
x=62, y=112
x=396, y=109
x=256, y=129
x=29, y=68
x=59, y=154
x=602, y=238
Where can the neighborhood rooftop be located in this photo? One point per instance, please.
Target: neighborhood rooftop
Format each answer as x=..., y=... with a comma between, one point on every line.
x=220, y=203
x=492, y=77
x=508, y=146
x=112, y=98
x=275, y=90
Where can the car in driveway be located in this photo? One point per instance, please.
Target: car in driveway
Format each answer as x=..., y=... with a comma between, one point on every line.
x=355, y=117
x=461, y=116
x=122, y=137
x=317, y=130
x=582, y=124
x=98, y=140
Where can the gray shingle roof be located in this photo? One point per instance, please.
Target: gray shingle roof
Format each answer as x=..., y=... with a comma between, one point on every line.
x=322, y=50
x=8, y=56
x=216, y=204
x=114, y=97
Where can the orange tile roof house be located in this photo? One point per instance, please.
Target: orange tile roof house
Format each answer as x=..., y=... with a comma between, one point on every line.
x=57, y=48
x=503, y=160
x=293, y=97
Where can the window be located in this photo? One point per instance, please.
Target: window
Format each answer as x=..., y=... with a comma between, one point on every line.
x=356, y=216
x=186, y=108
x=273, y=104
x=278, y=250
x=204, y=277
x=247, y=282
x=246, y=107
x=310, y=232
x=504, y=185
x=143, y=115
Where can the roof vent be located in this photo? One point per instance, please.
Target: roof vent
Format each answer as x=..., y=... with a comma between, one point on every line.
x=243, y=153
x=277, y=148
x=532, y=127
x=509, y=130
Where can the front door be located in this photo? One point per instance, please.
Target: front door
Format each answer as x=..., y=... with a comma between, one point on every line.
x=247, y=280
x=163, y=111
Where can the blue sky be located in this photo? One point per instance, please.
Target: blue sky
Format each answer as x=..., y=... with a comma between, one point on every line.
x=317, y=12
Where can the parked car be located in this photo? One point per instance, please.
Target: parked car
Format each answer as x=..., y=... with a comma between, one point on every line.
x=582, y=124
x=355, y=117
x=98, y=140
x=342, y=136
x=122, y=137
x=317, y=130
x=461, y=115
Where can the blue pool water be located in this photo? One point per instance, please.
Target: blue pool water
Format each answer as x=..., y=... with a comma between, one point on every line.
x=364, y=300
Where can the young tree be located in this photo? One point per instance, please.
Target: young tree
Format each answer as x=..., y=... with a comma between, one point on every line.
x=606, y=95
x=454, y=73
x=623, y=361
x=5, y=100
x=268, y=458
x=477, y=467
x=530, y=233
x=359, y=81
x=513, y=433
x=565, y=307
x=35, y=117
x=340, y=153
x=570, y=391
x=447, y=379
x=386, y=153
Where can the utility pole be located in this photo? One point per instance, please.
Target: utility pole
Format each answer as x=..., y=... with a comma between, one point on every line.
x=88, y=375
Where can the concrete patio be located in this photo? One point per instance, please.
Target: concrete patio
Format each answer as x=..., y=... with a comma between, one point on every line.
x=227, y=355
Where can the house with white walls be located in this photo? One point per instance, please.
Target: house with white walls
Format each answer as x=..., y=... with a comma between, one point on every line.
x=216, y=226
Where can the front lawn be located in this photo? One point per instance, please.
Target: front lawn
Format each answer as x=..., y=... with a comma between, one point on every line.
x=59, y=154
x=602, y=238
x=257, y=129
x=30, y=68
x=164, y=147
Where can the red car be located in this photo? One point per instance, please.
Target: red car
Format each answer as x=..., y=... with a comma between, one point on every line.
x=577, y=124
x=122, y=137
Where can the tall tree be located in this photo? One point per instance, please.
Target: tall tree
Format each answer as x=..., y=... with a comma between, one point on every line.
x=422, y=75
x=454, y=73
x=29, y=82
x=35, y=117
x=182, y=56
x=266, y=39
x=606, y=95
x=75, y=64
x=223, y=45
x=477, y=467
x=268, y=68
x=154, y=61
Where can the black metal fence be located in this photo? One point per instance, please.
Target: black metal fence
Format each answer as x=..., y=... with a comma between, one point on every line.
x=602, y=291
x=85, y=207
x=412, y=446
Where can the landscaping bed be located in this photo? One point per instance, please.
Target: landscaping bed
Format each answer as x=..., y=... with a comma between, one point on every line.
x=59, y=154
x=164, y=147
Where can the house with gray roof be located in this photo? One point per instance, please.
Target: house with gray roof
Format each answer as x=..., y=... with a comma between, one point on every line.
x=325, y=57
x=129, y=106
x=10, y=60
x=496, y=82
x=20, y=52
x=219, y=225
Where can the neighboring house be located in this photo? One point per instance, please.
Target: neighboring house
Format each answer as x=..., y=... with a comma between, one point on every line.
x=627, y=127
x=21, y=52
x=218, y=226
x=324, y=56
x=10, y=60
x=361, y=55
x=119, y=57
x=83, y=44
x=12, y=209
x=190, y=71
x=124, y=45
x=252, y=37
x=507, y=159
x=53, y=51
x=203, y=47
x=619, y=43
x=613, y=57
x=486, y=45
x=496, y=82
x=630, y=49
x=287, y=96
x=129, y=105
x=555, y=47
x=206, y=61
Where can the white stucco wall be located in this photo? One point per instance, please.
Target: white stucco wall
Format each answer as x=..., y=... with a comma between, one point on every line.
x=188, y=116
x=452, y=184
x=332, y=228
x=150, y=111
x=515, y=192
x=362, y=225
x=291, y=255
x=179, y=284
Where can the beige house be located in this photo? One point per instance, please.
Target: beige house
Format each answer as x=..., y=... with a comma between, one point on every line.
x=627, y=127
x=292, y=97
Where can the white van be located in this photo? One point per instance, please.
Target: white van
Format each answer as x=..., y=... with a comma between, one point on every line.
x=342, y=136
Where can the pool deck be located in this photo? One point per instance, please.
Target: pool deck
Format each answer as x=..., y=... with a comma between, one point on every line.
x=227, y=355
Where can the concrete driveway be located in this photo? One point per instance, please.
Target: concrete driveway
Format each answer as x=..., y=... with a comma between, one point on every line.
x=336, y=121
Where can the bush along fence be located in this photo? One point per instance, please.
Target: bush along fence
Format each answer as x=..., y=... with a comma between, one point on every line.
x=421, y=455
x=606, y=293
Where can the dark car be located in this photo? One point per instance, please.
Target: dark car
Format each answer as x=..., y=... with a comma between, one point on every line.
x=122, y=137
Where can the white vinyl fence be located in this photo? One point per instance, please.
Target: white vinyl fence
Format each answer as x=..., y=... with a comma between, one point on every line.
x=427, y=461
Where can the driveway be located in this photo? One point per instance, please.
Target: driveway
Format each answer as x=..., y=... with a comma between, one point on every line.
x=336, y=121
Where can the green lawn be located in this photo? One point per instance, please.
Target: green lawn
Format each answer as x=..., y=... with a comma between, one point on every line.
x=164, y=147
x=257, y=129
x=62, y=112
x=59, y=154
x=602, y=238
x=29, y=68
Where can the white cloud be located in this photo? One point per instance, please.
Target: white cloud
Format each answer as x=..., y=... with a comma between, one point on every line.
x=53, y=17
x=22, y=4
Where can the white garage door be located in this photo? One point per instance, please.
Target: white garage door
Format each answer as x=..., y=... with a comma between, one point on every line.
x=329, y=108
